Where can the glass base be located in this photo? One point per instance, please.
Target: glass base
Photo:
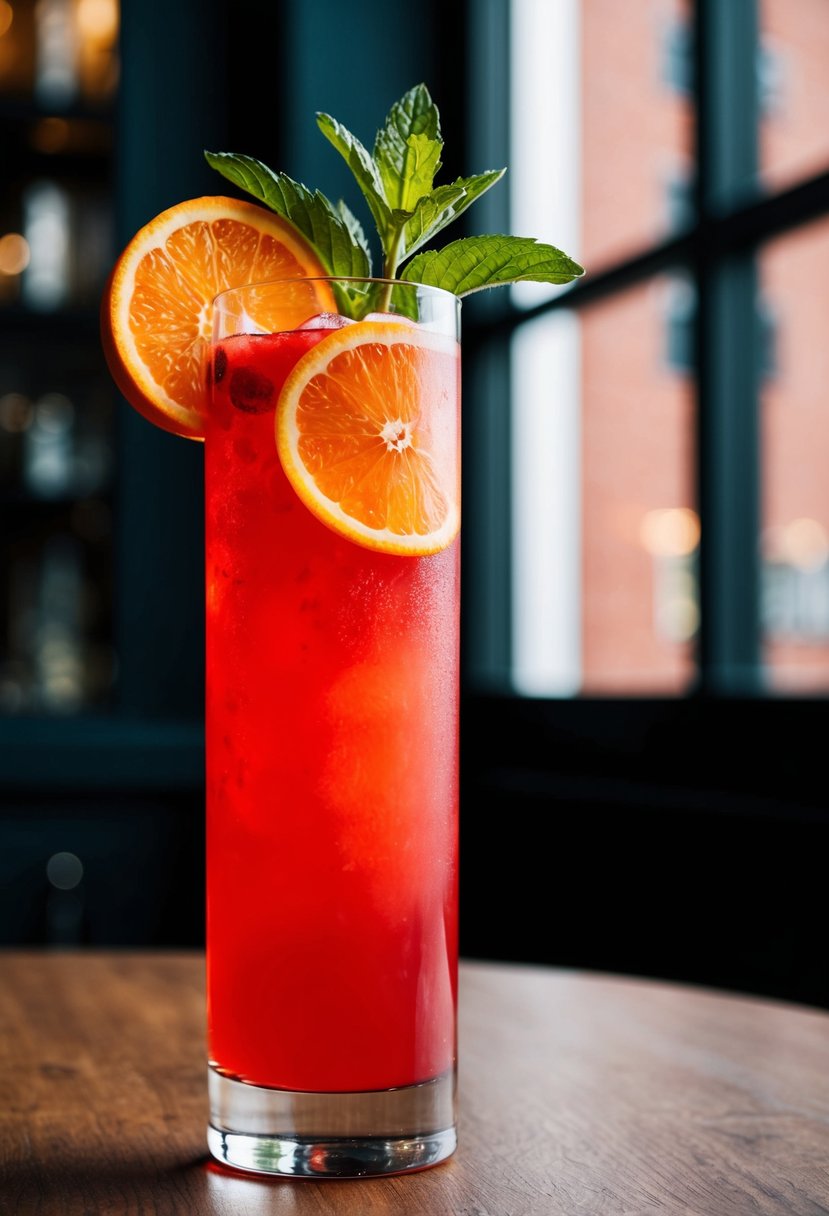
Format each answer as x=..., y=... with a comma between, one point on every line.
x=334, y=1135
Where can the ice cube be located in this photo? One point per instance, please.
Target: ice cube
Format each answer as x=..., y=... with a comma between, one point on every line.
x=245, y=324
x=390, y=316
x=325, y=320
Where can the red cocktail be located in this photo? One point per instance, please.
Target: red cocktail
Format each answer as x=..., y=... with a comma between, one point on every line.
x=331, y=423
x=332, y=727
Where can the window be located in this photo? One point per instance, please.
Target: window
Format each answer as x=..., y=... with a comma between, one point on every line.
x=668, y=428
x=646, y=500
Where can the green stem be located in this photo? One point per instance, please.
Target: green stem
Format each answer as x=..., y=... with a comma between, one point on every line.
x=390, y=270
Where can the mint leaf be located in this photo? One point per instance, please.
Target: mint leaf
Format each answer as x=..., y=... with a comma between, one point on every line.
x=351, y=297
x=313, y=216
x=476, y=262
x=361, y=164
x=433, y=212
x=420, y=165
x=442, y=206
x=355, y=228
x=408, y=147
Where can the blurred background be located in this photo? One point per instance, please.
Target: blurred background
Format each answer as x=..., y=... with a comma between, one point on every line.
x=646, y=542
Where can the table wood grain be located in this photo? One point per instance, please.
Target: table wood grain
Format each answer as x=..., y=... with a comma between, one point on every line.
x=579, y=1094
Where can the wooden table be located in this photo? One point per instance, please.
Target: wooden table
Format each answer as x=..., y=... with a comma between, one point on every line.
x=579, y=1094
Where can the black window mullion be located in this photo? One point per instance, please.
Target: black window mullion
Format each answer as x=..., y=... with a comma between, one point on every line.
x=727, y=351
x=487, y=444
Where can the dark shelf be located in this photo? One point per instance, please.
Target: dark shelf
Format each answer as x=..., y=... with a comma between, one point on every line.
x=28, y=109
x=94, y=752
x=65, y=323
x=14, y=499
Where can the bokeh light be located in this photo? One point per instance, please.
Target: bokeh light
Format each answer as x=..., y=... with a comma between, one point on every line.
x=14, y=253
x=670, y=531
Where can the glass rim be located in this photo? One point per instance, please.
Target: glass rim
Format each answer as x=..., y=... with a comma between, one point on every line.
x=339, y=278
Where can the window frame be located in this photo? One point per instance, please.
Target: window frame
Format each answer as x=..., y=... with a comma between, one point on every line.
x=675, y=836
x=717, y=250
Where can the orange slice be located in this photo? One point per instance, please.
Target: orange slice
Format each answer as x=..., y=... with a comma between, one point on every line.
x=367, y=432
x=157, y=311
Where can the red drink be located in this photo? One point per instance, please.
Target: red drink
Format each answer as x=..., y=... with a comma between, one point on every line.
x=332, y=678
x=333, y=509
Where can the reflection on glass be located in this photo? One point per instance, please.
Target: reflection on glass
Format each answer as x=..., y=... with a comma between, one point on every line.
x=793, y=90
x=605, y=531
x=795, y=457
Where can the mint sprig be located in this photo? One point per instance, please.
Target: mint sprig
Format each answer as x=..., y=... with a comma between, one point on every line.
x=397, y=180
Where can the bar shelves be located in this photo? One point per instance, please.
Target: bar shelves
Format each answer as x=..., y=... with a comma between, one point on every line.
x=58, y=79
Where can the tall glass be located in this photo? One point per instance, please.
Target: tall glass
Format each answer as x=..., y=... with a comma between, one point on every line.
x=332, y=763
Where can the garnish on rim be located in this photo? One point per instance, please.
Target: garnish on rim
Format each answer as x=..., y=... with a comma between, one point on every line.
x=156, y=311
x=369, y=465
x=358, y=432
x=397, y=182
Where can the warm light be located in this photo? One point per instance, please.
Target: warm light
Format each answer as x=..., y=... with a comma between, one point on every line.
x=16, y=413
x=670, y=531
x=14, y=253
x=804, y=544
x=51, y=134
x=6, y=17
x=98, y=19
